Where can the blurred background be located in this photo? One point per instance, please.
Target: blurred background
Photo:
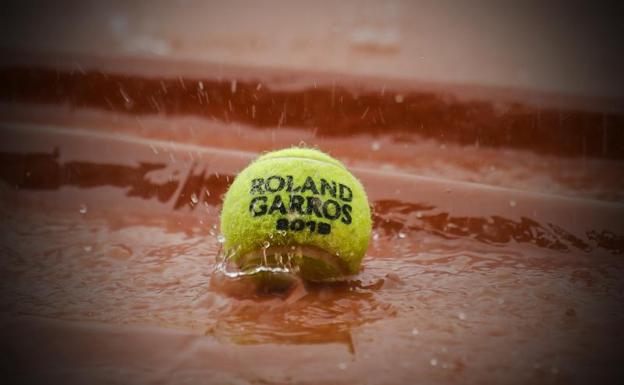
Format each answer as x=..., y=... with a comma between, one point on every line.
x=444, y=76
x=559, y=46
x=489, y=136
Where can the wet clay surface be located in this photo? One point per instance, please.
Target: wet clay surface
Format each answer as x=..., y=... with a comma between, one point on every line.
x=109, y=243
x=489, y=138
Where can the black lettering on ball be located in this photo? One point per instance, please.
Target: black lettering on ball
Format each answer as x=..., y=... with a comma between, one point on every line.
x=282, y=224
x=256, y=186
x=297, y=225
x=346, y=214
x=289, y=183
x=345, y=193
x=314, y=205
x=258, y=206
x=327, y=211
x=296, y=204
x=270, y=187
x=325, y=186
x=324, y=228
x=277, y=205
x=309, y=185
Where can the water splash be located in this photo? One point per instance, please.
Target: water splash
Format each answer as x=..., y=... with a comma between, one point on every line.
x=276, y=264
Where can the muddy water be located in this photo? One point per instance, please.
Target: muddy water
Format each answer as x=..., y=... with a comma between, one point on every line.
x=109, y=244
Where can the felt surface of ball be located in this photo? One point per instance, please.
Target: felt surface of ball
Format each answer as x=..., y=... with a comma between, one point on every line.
x=297, y=207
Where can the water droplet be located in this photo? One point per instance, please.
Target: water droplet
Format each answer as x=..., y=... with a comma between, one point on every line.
x=399, y=98
x=342, y=366
x=83, y=209
x=461, y=316
x=419, y=215
x=194, y=198
x=433, y=362
x=128, y=102
x=88, y=248
x=375, y=146
x=220, y=238
x=233, y=86
x=402, y=235
x=415, y=332
x=375, y=235
x=266, y=244
x=512, y=203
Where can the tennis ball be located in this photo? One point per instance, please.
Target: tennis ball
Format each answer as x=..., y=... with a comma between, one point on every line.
x=300, y=209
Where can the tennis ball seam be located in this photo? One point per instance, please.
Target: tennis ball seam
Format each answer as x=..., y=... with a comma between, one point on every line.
x=339, y=165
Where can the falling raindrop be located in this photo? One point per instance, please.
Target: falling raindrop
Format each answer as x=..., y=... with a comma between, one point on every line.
x=88, y=248
x=415, y=332
x=433, y=362
x=194, y=198
x=402, y=235
x=83, y=209
x=399, y=98
x=512, y=203
x=461, y=316
x=128, y=102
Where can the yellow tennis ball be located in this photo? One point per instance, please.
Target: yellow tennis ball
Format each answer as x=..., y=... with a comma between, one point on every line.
x=297, y=208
